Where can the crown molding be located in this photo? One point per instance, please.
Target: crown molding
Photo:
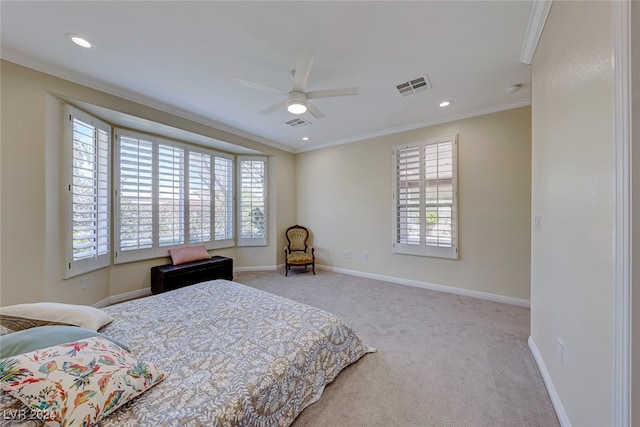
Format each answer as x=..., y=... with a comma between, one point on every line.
x=537, y=19
x=419, y=125
x=81, y=79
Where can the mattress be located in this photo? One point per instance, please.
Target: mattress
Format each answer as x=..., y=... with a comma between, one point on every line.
x=234, y=355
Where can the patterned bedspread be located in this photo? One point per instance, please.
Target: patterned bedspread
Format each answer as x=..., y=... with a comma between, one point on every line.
x=235, y=355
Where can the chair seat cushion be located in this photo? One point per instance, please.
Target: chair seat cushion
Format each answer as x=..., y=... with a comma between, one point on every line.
x=299, y=258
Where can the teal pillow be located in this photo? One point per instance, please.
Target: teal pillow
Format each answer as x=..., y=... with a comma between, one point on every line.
x=39, y=337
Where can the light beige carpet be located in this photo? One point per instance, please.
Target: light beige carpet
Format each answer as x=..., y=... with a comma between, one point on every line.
x=443, y=360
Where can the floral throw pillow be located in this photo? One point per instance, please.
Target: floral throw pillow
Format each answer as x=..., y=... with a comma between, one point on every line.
x=78, y=383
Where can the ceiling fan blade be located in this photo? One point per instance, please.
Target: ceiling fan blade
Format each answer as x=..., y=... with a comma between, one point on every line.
x=314, y=111
x=301, y=74
x=259, y=86
x=274, y=107
x=332, y=92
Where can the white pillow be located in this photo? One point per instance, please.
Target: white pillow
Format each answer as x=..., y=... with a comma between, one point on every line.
x=25, y=316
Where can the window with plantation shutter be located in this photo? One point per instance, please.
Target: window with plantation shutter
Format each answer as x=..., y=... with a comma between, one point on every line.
x=170, y=194
x=171, y=200
x=252, y=203
x=199, y=197
x=223, y=201
x=134, y=191
x=87, y=142
x=425, y=198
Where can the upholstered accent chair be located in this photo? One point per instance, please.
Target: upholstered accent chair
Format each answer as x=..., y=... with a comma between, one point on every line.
x=297, y=252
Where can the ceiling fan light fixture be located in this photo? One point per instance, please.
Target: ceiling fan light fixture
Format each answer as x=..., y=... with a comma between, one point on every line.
x=297, y=103
x=296, y=107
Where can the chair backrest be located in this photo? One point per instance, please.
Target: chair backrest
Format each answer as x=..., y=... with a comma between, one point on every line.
x=297, y=237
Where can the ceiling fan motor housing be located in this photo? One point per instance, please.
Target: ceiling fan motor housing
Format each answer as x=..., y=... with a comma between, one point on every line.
x=297, y=103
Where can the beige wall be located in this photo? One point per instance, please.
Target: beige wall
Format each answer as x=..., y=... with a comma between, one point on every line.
x=344, y=197
x=32, y=244
x=342, y=194
x=572, y=189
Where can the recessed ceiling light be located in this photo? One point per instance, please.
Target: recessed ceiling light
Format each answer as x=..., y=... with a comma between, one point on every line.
x=80, y=40
x=305, y=138
x=445, y=103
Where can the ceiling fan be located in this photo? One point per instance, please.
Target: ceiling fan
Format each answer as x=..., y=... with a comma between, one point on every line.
x=297, y=100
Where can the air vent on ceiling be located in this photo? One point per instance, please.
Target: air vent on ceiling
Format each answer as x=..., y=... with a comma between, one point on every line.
x=415, y=85
x=297, y=122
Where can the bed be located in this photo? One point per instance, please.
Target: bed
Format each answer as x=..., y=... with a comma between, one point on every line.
x=232, y=354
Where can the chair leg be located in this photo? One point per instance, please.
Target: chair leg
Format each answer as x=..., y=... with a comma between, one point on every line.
x=313, y=268
x=286, y=269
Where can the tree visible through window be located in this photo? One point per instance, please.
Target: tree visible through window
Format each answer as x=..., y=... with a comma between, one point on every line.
x=252, y=204
x=223, y=202
x=199, y=197
x=170, y=194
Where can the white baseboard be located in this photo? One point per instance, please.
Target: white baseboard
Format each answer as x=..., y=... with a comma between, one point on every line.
x=415, y=283
x=114, y=299
x=553, y=394
x=431, y=286
x=256, y=268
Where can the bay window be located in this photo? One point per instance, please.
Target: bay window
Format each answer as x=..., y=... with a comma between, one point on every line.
x=169, y=194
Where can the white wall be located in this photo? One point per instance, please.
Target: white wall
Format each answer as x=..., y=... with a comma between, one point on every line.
x=572, y=189
x=344, y=197
x=32, y=226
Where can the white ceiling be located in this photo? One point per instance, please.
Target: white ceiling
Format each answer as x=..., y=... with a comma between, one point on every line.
x=183, y=56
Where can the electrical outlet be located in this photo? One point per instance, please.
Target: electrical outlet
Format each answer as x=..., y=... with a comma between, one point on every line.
x=537, y=223
x=347, y=254
x=84, y=283
x=560, y=349
x=365, y=255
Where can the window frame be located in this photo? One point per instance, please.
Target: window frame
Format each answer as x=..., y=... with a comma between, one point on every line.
x=425, y=246
x=99, y=260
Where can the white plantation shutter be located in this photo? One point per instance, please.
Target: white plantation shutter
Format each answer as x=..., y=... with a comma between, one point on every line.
x=200, y=198
x=408, y=217
x=223, y=200
x=88, y=158
x=134, y=209
x=439, y=194
x=425, y=198
x=170, y=194
x=170, y=191
x=252, y=214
